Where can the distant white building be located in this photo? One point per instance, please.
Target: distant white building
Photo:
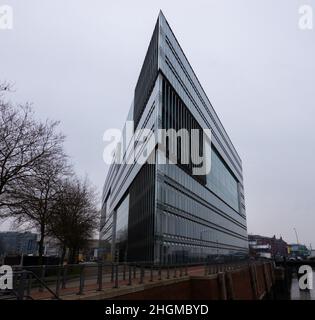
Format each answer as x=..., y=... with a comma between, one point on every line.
x=52, y=248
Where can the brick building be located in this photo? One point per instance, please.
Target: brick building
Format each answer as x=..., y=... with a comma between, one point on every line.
x=268, y=247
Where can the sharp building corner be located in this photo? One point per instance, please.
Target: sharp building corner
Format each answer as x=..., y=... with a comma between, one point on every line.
x=159, y=212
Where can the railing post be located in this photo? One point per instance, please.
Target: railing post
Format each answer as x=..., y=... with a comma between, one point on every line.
x=134, y=271
x=222, y=285
x=100, y=276
x=175, y=271
x=29, y=284
x=14, y=281
x=112, y=276
x=151, y=273
x=116, y=275
x=22, y=285
x=253, y=280
x=124, y=271
x=141, y=274
x=82, y=279
x=58, y=280
x=129, y=275
x=64, y=277
x=229, y=286
x=42, y=277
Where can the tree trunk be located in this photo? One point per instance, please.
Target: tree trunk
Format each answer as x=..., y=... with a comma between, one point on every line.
x=63, y=254
x=41, y=245
x=72, y=255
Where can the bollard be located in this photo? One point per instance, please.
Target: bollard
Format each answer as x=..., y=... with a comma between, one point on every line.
x=175, y=272
x=168, y=272
x=160, y=272
x=186, y=271
x=180, y=271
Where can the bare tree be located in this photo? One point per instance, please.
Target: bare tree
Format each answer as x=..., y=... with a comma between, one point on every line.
x=35, y=180
x=75, y=216
x=4, y=86
x=24, y=145
x=35, y=195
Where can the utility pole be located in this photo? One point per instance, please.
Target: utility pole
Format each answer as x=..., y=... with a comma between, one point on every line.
x=297, y=239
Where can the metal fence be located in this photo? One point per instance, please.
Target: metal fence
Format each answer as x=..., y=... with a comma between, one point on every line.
x=55, y=281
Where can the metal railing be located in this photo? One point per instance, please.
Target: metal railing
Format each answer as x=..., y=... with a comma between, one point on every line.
x=54, y=281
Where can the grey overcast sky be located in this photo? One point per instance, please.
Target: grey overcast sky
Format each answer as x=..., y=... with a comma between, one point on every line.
x=78, y=62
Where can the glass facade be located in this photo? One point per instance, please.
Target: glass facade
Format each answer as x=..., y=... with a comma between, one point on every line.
x=222, y=182
x=193, y=224
x=161, y=212
x=147, y=77
x=175, y=115
x=107, y=221
x=198, y=216
x=121, y=230
x=141, y=215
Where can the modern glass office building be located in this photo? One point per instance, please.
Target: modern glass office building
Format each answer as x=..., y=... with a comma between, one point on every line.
x=160, y=212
